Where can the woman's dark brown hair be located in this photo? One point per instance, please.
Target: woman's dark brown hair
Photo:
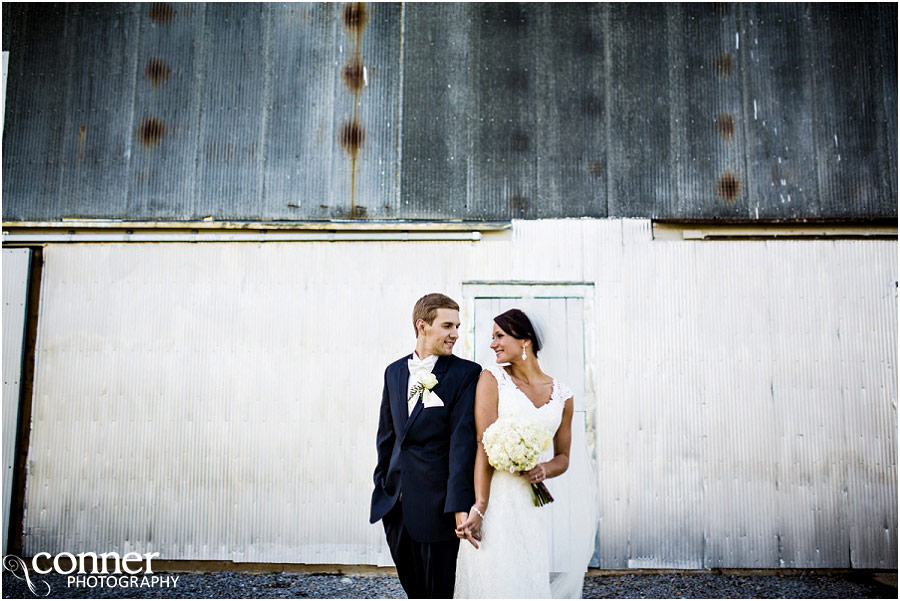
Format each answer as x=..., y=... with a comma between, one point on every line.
x=515, y=323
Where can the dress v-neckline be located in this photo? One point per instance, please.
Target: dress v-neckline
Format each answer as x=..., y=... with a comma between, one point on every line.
x=528, y=398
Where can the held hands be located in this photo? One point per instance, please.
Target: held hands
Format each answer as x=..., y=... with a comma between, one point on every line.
x=468, y=526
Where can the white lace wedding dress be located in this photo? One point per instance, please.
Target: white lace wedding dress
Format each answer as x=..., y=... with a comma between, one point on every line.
x=513, y=558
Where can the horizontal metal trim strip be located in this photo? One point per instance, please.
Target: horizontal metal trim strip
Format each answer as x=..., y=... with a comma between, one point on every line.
x=673, y=231
x=248, y=237
x=107, y=224
x=524, y=283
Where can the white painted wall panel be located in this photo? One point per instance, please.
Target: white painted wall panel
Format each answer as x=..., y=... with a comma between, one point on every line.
x=219, y=401
x=16, y=263
x=738, y=437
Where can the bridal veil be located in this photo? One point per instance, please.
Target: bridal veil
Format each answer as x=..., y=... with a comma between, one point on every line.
x=575, y=516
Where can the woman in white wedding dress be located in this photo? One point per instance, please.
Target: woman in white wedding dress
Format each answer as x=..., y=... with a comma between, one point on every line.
x=512, y=559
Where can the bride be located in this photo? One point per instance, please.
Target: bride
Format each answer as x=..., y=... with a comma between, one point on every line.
x=510, y=554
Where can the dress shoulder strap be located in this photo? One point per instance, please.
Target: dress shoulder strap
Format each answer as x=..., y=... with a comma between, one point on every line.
x=497, y=371
x=503, y=379
x=563, y=392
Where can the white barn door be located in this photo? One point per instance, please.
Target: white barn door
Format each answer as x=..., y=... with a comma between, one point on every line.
x=562, y=357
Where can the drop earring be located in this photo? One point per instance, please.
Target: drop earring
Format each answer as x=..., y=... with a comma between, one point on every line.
x=524, y=354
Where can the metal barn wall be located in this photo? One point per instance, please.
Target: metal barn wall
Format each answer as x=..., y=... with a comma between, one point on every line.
x=474, y=111
x=219, y=401
x=16, y=264
x=755, y=405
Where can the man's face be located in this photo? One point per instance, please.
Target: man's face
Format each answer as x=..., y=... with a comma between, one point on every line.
x=443, y=332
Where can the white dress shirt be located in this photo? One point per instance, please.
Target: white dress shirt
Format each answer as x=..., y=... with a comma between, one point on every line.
x=417, y=366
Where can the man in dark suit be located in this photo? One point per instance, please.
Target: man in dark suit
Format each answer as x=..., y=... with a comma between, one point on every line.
x=426, y=452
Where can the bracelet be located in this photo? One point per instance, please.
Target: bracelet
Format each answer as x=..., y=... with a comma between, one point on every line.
x=478, y=512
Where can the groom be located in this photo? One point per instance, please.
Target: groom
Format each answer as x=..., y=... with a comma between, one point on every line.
x=426, y=452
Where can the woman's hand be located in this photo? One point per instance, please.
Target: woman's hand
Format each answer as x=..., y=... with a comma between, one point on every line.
x=469, y=528
x=535, y=475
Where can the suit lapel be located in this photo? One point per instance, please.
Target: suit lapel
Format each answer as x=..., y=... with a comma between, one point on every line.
x=412, y=417
x=440, y=367
x=401, y=382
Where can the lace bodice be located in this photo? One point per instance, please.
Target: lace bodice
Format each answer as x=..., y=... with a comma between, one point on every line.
x=512, y=401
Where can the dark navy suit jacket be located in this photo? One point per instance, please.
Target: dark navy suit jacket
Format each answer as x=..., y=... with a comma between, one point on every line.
x=428, y=456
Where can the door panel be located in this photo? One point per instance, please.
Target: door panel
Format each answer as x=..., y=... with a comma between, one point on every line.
x=562, y=356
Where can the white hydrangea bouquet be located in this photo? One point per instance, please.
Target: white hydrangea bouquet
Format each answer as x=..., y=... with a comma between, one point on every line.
x=514, y=444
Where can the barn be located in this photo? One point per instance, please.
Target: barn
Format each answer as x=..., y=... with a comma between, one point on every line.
x=217, y=219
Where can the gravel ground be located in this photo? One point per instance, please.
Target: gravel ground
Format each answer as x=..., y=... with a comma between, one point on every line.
x=241, y=585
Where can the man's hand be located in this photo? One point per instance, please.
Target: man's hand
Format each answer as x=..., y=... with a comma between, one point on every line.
x=468, y=527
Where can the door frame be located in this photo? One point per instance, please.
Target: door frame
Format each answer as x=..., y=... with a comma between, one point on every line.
x=529, y=289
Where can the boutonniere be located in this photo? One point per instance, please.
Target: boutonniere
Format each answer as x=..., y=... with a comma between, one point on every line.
x=424, y=385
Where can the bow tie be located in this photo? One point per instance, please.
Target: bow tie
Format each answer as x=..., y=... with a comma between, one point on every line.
x=416, y=365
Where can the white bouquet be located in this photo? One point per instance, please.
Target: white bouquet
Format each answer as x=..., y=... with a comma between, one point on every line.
x=514, y=444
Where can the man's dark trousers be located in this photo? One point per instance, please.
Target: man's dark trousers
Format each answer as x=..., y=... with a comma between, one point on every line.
x=426, y=570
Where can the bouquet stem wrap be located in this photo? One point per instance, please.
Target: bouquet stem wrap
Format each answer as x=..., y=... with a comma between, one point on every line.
x=541, y=494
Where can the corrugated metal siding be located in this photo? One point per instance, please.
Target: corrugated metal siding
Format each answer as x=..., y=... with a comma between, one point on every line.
x=756, y=393
x=220, y=401
x=15, y=297
x=451, y=111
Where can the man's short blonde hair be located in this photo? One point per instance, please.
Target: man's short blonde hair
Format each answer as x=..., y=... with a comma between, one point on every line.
x=427, y=306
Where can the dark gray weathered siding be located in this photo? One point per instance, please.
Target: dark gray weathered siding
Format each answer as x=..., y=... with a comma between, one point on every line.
x=450, y=111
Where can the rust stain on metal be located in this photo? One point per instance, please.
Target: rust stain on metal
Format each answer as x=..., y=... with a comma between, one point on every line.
x=595, y=168
x=353, y=75
x=519, y=141
x=725, y=125
x=352, y=136
x=161, y=13
x=157, y=71
x=151, y=132
x=355, y=16
x=82, y=134
x=728, y=187
x=519, y=203
x=723, y=64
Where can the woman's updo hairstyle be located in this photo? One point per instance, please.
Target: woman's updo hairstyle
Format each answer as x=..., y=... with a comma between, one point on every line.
x=515, y=323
